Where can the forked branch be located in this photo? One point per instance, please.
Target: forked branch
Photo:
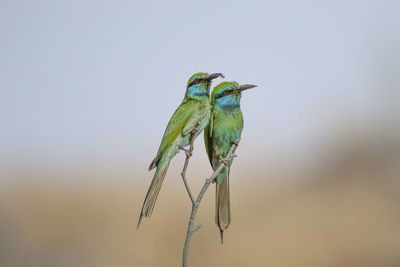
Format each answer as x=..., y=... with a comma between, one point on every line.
x=196, y=203
x=192, y=131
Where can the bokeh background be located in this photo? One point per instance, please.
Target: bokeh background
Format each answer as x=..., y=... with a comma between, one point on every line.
x=88, y=87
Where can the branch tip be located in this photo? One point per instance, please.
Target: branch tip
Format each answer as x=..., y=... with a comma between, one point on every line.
x=196, y=228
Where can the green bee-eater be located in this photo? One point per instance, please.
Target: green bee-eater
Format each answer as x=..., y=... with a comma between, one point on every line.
x=194, y=104
x=226, y=124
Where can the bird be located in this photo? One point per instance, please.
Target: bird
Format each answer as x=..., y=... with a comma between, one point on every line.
x=224, y=128
x=195, y=102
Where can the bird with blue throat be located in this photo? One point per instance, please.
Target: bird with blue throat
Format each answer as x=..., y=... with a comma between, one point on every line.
x=194, y=104
x=225, y=127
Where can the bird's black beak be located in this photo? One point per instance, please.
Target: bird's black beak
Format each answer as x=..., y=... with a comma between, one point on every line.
x=214, y=76
x=246, y=86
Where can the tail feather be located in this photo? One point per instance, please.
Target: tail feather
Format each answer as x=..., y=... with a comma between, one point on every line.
x=222, y=202
x=152, y=193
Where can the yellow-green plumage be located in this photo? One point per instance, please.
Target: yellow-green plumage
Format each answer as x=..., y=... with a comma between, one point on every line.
x=194, y=104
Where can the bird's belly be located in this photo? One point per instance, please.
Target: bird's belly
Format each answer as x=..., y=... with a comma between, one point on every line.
x=223, y=138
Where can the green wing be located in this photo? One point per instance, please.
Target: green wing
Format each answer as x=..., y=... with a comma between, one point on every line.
x=178, y=121
x=208, y=138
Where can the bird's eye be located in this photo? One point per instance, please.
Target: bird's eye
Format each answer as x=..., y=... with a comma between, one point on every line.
x=226, y=92
x=196, y=81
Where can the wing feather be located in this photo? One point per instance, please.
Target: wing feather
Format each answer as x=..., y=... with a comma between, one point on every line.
x=175, y=126
x=208, y=131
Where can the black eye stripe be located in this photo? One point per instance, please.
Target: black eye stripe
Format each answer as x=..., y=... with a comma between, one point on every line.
x=223, y=94
x=193, y=82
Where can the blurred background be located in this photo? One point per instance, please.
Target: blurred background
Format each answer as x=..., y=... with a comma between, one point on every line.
x=87, y=89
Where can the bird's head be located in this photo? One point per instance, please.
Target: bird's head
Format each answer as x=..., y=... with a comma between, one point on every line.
x=228, y=94
x=199, y=84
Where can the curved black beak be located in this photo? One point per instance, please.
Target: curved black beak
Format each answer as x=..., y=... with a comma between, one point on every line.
x=214, y=76
x=246, y=86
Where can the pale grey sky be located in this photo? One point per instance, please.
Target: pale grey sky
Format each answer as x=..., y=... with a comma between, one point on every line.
x=85, y=78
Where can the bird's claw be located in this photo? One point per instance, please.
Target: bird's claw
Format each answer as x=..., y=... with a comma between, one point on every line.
x=192, y=130
x=188, y=153
x=224, y=160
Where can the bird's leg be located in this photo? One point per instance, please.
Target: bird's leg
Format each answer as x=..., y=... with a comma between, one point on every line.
x=225, y=161
x=188, y=153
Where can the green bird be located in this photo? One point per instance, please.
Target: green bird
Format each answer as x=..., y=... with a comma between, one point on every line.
x=226, y=125
x=194, y=104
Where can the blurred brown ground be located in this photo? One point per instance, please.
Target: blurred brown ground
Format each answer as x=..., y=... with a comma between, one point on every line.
x=342, y=211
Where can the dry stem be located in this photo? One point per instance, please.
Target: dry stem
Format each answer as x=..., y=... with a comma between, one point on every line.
x=195, y=204
x=192, y=131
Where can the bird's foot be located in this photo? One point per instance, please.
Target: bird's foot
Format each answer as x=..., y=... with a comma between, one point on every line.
x=192, y=130
x=224, y=160
x=188, y=153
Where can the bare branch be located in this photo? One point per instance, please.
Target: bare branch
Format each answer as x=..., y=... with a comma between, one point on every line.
x=223, y=161
x=196, y=228
x=192, y=131
x=184, y=176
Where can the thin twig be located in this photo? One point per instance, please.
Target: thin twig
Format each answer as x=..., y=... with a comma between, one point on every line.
x=184, y=174
x=197, y=228
x=192, y=131
x=198, y=122
x=223, y=162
